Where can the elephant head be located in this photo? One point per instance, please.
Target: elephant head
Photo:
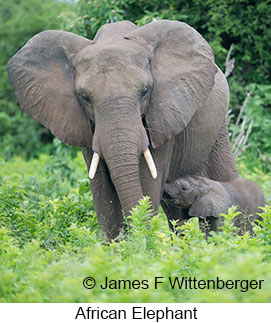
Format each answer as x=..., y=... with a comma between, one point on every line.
x=128, y=89
x=186, y=190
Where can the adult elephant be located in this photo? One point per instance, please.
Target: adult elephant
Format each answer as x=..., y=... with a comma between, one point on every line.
x=130, y=88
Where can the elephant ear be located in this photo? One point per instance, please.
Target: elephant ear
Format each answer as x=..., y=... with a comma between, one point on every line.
x=203, y=207
x=41, y=74
x=211, y=204
x=183, y=70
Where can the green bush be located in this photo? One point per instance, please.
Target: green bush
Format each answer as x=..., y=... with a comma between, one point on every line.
x=50, y=242
x=35, y=274
x=258, y=110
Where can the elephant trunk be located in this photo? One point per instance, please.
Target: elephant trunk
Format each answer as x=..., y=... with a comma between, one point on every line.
x=121, y=139
x=124, y=171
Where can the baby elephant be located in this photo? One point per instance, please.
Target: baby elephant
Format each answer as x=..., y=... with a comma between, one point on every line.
x=205, y=198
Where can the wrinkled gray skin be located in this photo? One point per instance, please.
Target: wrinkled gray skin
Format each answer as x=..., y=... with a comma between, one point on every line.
x=130, y=88
x=205, y=198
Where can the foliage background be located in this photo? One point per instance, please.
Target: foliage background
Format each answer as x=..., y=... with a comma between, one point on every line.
x=49, y=238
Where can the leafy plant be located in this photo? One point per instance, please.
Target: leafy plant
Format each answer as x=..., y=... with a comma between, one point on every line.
x=263, y=231
x=35, y=273
x=259, y=109
x=249, y=132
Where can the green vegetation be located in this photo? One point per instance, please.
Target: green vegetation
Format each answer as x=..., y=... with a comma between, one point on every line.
x=49, y=236
x=50, y=242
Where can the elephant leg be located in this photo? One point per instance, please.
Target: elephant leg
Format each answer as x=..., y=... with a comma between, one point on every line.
x=174, y=213
x=154, y=188
x=106, y=201
x=221, y=165
x=243, y=222
x=205, y=227
x=215, y=223
x=209, y=224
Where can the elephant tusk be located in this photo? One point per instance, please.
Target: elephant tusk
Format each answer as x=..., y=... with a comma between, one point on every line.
x=150, y=163
x=93, y=166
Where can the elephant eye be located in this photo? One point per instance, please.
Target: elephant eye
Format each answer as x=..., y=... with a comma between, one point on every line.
x=86, y=98
x=184, y=188
x=144, y=92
